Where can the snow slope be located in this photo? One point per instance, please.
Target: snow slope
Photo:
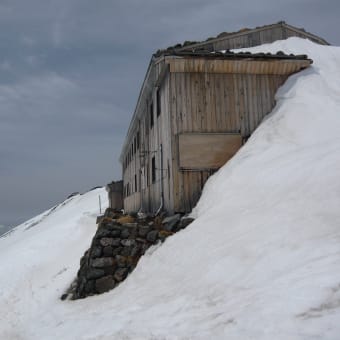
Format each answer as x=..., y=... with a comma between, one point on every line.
x=261, y=261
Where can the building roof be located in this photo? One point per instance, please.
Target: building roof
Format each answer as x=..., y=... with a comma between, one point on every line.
x=194, y=45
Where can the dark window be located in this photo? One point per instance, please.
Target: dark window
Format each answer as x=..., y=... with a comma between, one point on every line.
x=138, y=140
x=151, y=115
x=153, y=170
x=135, y=144
x=147, y=176
x=158, y=102
x=136, y=189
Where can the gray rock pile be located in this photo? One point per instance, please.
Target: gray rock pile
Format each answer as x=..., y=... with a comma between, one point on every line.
x=116, y=248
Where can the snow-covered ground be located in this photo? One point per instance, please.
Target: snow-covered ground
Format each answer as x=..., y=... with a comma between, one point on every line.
x=261, y=261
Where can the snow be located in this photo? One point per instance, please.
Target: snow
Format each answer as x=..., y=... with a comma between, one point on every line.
x=261, y=260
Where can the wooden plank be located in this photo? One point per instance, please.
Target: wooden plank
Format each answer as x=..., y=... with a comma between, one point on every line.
x=207, y=103
x=242, y=66
x=199, y=151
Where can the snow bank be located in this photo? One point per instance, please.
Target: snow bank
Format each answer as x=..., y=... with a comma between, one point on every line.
x=267, y=269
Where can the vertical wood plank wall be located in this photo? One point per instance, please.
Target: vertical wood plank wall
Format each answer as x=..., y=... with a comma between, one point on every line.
x=147, y=195
x=206, y=102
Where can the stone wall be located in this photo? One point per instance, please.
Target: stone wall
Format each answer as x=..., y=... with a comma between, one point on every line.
x=116, y=248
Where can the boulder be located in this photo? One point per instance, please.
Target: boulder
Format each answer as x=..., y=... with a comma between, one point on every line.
x=184, y=222
x=94, y=273
x=102, y=232
x=103, y=262
x=125, y=233
x=143, y=230
x=169, y=223
x=96, y=252
x=126, y=251
x=152, y=236
x=163, y=234
x=105, y=284
x=127, y=242
x=108, y=251
x=120, y=274
x=121, y=260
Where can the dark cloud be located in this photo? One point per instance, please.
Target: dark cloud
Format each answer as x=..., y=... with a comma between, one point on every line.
x=70, y=73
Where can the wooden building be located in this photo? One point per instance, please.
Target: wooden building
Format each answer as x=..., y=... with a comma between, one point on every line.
x=194, y=111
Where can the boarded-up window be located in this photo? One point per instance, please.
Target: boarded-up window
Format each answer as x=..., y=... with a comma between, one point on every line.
x=199, y=151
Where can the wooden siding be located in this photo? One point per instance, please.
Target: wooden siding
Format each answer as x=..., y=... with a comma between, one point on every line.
x=196, y=96
x=214, y=103
x=205, y=151
x=241, y=66
x=154, y=143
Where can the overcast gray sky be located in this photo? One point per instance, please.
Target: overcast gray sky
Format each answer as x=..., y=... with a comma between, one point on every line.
x=70, y=73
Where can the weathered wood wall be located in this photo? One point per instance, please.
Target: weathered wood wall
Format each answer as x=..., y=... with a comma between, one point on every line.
x=153, y=143
x=192, y=95
x=212, y=102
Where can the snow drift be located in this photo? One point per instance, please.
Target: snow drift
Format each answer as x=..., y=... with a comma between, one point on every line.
x=261, y=261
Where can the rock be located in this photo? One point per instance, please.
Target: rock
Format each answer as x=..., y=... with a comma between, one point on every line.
x=84, y=259
x=152, y=236
x=125, y=219
x=102, y=232
x=125, y=233
x=121, y=260
x=135, y=251
x=130, y=225
x=117, y=250
x=114, y=242
x=132, y=228
x=94, y=273
x=120, y=274
x=144, y=248
x=105, y=284
x=184, y=222
x=143, y=230
x=112, y=213
x=107, y=251
x=103, y=262
x=96, y=252
x=99, y=219
x=104, y=221
x=126, y=251
x=106, y=241
x=169, y=223
x=127, y=242
x=168, y=219
x=109, y=270
x=89, y=288
x=115, y=231
x=163, y=234
x=64, y=297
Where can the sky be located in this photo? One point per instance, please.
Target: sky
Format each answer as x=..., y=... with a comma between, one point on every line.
x=71, y=71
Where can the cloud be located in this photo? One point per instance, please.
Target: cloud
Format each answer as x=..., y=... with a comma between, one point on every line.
x=70, y=74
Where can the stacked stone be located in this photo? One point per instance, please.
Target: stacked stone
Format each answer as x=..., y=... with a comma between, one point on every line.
x=117, y=246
